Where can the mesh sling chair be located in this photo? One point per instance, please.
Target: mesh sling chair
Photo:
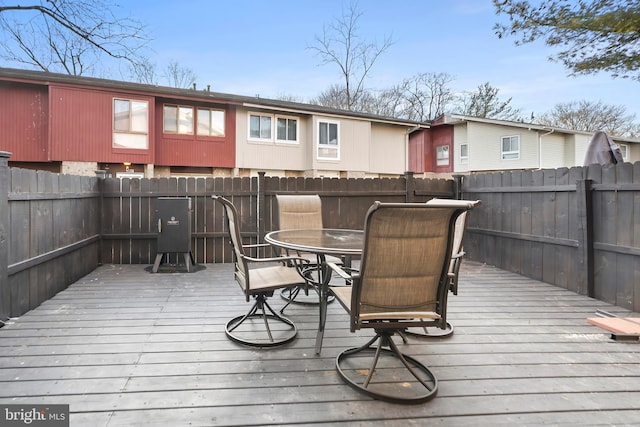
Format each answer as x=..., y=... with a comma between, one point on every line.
x=302, y=212
x=254, y=328
x=457, y=253
x=403, y=282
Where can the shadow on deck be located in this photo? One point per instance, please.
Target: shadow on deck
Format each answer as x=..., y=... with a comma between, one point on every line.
x=124, y=347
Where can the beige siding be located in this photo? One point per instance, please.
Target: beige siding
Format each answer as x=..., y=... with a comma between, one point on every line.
x=553, y=150
x=485, y=147
x=354, y=143
x=633, y=152
x=388, y=149
x=365, y=148
x=271, y=155
x=581, y=144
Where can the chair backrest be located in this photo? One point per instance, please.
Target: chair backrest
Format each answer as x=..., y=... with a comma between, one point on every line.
x=459, y=228
x=299, y=211
x=233, y=225
x=405, y=261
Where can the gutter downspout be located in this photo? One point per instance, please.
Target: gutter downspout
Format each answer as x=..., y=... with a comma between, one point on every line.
x=540, y=147
x=406, y=145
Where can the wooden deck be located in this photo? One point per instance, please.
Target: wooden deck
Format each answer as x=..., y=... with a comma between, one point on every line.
x=125, y=347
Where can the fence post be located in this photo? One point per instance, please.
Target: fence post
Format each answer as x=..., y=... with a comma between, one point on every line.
x=5, y=303
x=261, y=206
x=410, y=187
x=457, y=186
x=101, y=175
x=585, y=238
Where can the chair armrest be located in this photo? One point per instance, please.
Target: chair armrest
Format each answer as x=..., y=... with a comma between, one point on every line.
x=278, y=259
x=257, y=245
x=342, y=271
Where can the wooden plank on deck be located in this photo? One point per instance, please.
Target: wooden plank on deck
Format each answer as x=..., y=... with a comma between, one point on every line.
x=125, y=347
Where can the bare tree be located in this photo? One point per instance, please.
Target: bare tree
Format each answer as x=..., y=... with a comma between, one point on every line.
x=485, y=103
x=290, y=97
x=334, y=96
x=592, y=116
x=179, y=76
x=68, y=36
x=340, y=45
x=144, y=71
x=388, y=102
x=427, y=96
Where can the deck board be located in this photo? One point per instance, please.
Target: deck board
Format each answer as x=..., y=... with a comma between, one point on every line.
x=124, y=347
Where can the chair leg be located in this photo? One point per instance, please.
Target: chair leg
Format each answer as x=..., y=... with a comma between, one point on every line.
x=392, y=384
x=250, y=335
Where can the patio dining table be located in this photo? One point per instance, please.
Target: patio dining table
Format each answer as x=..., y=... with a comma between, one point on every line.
x=321, y=242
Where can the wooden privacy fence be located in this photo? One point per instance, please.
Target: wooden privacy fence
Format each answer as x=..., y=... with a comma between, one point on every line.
x=55, y=228
x=49, y=235
x=576, y=228
x=129, y=230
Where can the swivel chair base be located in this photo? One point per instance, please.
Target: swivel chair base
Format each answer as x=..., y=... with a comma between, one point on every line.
x=253, y=329
x=402, y=379
x=425, y=332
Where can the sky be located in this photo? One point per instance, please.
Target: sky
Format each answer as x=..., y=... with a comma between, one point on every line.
x=261, y=47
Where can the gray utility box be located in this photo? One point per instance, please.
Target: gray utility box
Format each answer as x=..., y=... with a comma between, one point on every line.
x=173, y=216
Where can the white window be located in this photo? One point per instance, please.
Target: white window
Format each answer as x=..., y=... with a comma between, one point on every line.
x=464, y=153
x=130, y=124
x=624, y=149
x=210, y=122
x=328, y=141
x=260, y=127
x=511, y=147
x=286, y=129
x=442, y=155
x=178, y=119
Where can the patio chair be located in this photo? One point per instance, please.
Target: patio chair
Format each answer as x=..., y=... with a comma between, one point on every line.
x=302, y=211
x=259, y=284
x=403, y=282
x=457, y=253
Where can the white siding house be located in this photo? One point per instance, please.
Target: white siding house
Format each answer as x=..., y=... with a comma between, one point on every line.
x=487, y=144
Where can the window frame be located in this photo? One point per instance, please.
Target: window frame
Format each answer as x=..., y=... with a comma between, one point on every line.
x=131, y=130
x=440, y=159
x=178, y=107
x=505, y=154
x=273, y=118
x=327, y=145
x=624, y=150
x=464, y=158
x=260, y=117
x=297, y=132
x=210, y=111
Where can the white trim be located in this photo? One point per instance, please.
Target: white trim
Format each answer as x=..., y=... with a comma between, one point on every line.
x=274, y=128
x=503, y=153
x=328, y=146
x=286, y=141
x=464, y=160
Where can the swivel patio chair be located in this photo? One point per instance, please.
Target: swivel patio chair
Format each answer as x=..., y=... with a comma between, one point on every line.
x=302, y=211
x=457, y=253
x=254, y=328
x=403, y=282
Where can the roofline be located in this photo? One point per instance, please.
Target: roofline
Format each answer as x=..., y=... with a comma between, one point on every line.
x=32, y=76
x=453, y=119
